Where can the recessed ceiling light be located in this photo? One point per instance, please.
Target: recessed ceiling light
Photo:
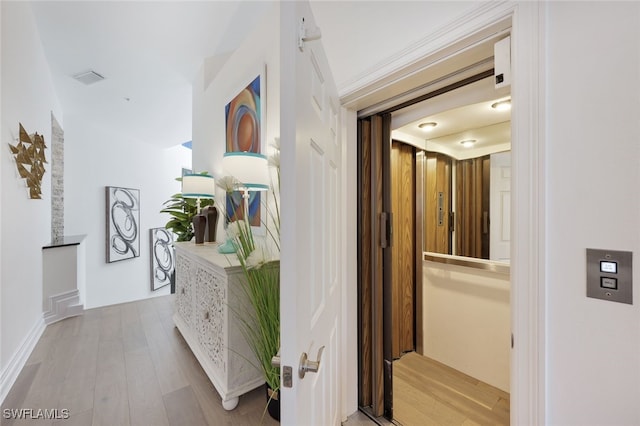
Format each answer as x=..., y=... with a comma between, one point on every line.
x=88, y=77
x=427, y=127
x=502, y=105
x=468, y=143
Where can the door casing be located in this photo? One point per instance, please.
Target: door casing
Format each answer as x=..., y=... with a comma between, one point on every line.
x=525, y=20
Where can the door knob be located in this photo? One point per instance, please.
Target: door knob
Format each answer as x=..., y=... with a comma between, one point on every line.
x=306, y=365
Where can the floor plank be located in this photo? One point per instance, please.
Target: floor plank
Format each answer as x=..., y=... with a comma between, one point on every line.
x=145, y=400
x=111, y=323
x=427, y=392
x=19, y=391
x=168, y=371
x=111, y=399
x=183, y=408
x=81, y=418
x=78, y=389
x=133, y=335
x=124, y=365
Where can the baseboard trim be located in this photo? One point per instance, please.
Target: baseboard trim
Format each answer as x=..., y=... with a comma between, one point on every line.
x=63, y=305
x=19, y=359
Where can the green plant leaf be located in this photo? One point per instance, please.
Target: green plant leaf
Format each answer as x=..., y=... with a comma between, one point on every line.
x=182, y=216
x=182, y=211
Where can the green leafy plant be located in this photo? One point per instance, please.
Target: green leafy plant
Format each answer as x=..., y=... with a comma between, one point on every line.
x=260, y=321
x=182, y=211
x=259, y=258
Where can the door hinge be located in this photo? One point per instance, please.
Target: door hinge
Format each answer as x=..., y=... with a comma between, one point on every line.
x=511, y=340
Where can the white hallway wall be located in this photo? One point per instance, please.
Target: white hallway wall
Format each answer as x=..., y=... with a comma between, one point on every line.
x=593, y=176
x=96, y=157
x=258, y=53
x=28, y=97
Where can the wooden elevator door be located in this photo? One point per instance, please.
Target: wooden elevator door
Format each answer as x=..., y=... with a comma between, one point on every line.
x=403, y=247
x=472, y=207
x=437, y=199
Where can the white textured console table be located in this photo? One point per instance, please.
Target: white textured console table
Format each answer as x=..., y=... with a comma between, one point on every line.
x=207, y=299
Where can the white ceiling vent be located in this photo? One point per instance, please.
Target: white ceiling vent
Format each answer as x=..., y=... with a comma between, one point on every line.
x=88, y=77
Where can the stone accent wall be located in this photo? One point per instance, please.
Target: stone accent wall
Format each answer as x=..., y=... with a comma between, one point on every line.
x=57, y=180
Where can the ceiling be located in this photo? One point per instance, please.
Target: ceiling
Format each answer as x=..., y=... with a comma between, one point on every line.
x=489, y=127
x=150, y=51
x=149, y=54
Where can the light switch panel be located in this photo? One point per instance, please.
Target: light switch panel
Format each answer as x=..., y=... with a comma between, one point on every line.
x=609, y=275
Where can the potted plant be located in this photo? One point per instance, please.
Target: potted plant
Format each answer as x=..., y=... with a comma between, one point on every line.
x=260, y=321
x=182, y=210
x=259, y=259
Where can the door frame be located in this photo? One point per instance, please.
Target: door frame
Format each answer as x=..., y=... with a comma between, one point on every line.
x=526, y=21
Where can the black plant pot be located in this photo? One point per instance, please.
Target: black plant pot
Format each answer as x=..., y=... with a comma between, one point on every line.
x=273, y=402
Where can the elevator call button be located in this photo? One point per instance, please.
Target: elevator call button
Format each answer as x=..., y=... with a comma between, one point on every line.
x=609, y=283
x=610, y=267
x=609, y=275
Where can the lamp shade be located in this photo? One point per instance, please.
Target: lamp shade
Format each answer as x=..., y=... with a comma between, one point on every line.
x=198, y=186
x=248, y=168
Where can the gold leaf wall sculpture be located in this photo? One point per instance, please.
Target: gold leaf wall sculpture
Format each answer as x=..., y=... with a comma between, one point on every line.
x=30, y=159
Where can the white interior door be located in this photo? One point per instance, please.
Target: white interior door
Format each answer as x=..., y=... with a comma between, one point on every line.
x=310, y=199
x=500, y=207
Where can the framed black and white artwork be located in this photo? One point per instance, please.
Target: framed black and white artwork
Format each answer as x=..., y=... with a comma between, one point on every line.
x=162, y=257
x=123, y=223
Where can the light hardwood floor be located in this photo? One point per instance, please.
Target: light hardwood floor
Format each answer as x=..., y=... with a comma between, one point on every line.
x=123, y=365
x=426, y=392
